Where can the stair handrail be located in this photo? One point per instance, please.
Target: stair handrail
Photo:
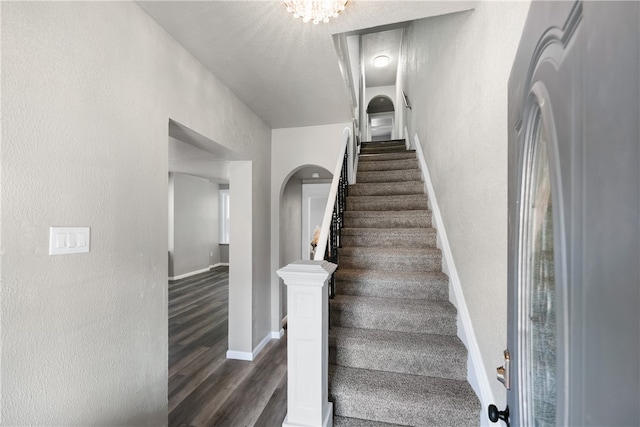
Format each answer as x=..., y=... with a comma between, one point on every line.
x=333, y=214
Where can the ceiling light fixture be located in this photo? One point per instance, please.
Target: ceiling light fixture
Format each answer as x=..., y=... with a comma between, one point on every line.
x=315, y=10
x=381, y=61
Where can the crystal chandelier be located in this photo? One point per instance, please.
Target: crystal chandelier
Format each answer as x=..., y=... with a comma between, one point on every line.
x=315, y=10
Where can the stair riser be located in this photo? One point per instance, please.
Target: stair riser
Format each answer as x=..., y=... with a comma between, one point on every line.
x=388, y=222
x=387, y=156
x=428, y=323
x=381, y=189
x=382, y=240
x=381, y=203
x=375, y=262
x=447, y=362
x=388, y=176
x=397, y=143
x=388, y=165
x=382, y=150
x=434, y=412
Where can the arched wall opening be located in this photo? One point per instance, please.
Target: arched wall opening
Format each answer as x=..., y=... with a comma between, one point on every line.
x=303, y=198
x=291, y=150
x=380, y=118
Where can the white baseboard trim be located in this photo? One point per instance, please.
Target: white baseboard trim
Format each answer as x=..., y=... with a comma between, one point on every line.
x=219, y=264
x=276, y=335
x=239, y=355
x=250, y=356
x=185, y=275
x=477, y=375
x=407, y=140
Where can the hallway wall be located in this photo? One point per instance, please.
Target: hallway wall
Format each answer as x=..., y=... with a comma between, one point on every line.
x=195, y=224
x=457, y=72
x=88, y=89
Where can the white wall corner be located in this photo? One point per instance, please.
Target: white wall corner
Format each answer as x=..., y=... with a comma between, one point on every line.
x=239, y=355
x=245, y=355
x=476, y=374
x=260, y=346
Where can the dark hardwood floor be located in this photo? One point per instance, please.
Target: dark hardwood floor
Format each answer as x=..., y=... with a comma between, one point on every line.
x=206, y=389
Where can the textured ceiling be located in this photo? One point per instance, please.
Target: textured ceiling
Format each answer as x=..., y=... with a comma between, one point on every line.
x=284, y=69
x=381, y=43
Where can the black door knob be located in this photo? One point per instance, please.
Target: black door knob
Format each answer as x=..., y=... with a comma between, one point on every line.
x=495, y=415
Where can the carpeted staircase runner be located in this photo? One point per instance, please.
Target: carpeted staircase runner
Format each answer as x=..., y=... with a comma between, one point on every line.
x=395, y=358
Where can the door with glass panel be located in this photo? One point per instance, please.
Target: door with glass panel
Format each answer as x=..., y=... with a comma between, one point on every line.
x=573, y=350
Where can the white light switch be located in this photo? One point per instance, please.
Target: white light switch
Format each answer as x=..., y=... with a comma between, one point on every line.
x=69, y=240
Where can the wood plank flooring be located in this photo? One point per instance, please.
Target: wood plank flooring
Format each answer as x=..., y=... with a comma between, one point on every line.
x=206, y=389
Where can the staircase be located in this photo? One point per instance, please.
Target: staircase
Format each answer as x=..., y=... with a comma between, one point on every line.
x=394, y=355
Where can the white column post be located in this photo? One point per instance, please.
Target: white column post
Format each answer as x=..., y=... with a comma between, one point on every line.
x=308, y=343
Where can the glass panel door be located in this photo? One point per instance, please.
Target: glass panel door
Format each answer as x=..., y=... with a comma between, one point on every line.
x=538, y=292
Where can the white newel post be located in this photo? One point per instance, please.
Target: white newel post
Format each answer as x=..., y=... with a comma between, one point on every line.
x=308, y=343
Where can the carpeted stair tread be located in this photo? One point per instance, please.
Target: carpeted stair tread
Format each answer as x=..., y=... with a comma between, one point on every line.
x=388, y=165
x=386, y=188
x=387, y=219
x=434, y=355
x=392, y=284
x=357, y=422
x=393, y=314
x=391, y=258
x=383, y=203
x=389, y=176
x=399, y=155
x=402, y=398
x=389, y=237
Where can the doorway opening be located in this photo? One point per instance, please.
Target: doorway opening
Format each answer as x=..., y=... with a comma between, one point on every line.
x=205, y=180
x=303, y=198
x=380, y=115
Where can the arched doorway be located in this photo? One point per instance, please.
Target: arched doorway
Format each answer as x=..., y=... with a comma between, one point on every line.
x=380, y=117
x=303, y=197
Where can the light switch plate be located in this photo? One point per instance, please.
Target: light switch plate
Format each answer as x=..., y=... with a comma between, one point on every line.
x=69, y=240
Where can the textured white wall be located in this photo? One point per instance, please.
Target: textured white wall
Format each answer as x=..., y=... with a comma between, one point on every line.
x=291, y=149
x=240, y=234
x=290, y=229
x=214, y=238
x=87, y=92
x=372, y=92
x=457, y=72
x=195, y=216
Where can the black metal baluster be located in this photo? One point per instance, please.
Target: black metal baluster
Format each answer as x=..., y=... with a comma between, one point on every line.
x=337, y=220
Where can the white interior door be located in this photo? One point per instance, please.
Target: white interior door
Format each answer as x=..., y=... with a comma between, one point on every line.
x=314, y=202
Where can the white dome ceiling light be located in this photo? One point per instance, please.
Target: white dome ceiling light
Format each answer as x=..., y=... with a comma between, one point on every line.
x=315, y=11
x=381, y=61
